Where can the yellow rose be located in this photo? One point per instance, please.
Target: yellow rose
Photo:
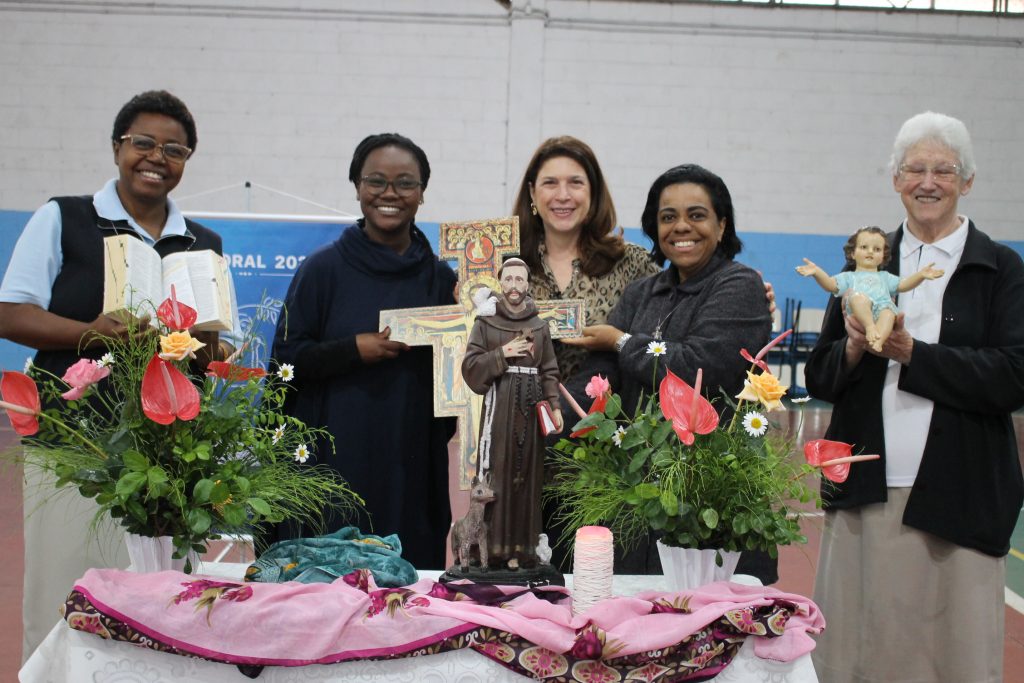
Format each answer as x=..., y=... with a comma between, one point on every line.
x=763, y=388
x=178, y=345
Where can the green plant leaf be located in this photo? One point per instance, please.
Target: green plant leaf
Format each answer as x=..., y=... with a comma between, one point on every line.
x=639, y=459
x=234, y=514
x=135, y=461
x=710, y=517
x=156, y=475
x=199, y=520
x=661, y=433
x=260, y=506
x=669, y=503
x=220, y=493
x=647, y=491
x=605, y=430
x=201, y=492
x=632, y=438
x=613, y=407
x=129, y=484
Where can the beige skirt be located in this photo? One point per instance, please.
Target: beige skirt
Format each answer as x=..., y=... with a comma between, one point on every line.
x=903, y=605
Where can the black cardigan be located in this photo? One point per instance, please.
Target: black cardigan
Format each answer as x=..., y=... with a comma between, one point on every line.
x=969, y=486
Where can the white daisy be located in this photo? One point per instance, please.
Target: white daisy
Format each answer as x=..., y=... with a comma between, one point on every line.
x=755, y=423
x=105, y=360
x=301, y=453
x=657, y=348
x=286, y=372
x=617, y=436
x=28, y=365
x=278, y=433
x=805, y=399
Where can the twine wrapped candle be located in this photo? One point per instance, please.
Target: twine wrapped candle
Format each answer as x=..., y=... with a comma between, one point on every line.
x=592, y=568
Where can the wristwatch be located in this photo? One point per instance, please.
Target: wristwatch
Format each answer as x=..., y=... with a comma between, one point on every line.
x=621, y=341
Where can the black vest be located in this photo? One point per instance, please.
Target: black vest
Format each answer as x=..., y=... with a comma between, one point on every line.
x=77, y=292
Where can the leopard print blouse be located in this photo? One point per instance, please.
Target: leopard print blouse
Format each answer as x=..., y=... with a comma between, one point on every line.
x=600, y=294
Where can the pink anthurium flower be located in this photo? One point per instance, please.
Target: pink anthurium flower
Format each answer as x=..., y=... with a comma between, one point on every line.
x=176, y=315
x=598, y=389
x=167, y=393
x=231, y=372
x=20, y=398
x=81, y=376
x=756, y=360
x=689, y=412
x=833, y=457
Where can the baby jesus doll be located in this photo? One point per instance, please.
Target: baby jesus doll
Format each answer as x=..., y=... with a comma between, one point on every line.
x=869, y=291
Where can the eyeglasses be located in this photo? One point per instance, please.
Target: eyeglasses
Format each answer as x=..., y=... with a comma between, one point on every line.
x=376, y=184
x=943, y=172
x=172, y=151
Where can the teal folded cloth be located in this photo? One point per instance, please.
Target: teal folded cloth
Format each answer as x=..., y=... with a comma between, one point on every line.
x=324, y=559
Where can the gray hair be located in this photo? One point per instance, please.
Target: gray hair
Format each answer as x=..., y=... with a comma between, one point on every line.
x=940, y=128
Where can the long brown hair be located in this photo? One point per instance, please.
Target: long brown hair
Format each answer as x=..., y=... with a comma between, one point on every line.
x=599, y=248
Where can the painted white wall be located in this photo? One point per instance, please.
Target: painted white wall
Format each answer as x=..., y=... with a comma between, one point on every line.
x=795, y=107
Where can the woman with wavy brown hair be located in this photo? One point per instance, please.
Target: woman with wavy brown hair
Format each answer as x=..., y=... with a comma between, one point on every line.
x=568, y=236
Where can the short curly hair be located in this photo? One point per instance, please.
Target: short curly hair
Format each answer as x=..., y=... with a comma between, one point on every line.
x=155, y=102
x=851, y=244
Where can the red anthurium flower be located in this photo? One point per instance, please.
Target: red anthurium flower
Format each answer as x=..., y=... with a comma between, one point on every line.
x=833, y=457
x=232, y=372
x=690, y=412
x=167, y=393
x=756, y=360
x=175, y=314
x=21, y=400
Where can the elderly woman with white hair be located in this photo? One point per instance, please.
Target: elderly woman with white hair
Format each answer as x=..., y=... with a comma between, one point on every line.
x=912, y=564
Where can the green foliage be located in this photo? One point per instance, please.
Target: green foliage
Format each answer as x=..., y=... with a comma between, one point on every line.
x=229, y=470
x=729, y=490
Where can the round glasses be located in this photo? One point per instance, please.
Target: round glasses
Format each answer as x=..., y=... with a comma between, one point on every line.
x=943, y=172
x=172, y=151
x=376, y=184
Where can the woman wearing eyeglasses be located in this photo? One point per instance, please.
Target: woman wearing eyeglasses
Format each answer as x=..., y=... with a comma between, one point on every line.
x=51, y=300
x=911, y=573
x=375, y=395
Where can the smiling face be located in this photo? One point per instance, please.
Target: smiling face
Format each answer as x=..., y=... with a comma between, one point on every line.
x=515, y=283
x=561, y=194
x=931, y=203
x=688, y=228
x=146, y=179
x=869, y=252
x=388, y=214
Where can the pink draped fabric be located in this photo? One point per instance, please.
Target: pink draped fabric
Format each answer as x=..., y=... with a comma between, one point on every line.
x=293, y=624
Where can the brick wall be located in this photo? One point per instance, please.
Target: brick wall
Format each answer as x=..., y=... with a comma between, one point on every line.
x=795, y=107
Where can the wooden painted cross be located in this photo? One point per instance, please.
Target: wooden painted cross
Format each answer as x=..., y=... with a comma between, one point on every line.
x=479, y=247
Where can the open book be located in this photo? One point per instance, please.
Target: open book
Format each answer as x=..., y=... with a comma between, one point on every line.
x=136, y=280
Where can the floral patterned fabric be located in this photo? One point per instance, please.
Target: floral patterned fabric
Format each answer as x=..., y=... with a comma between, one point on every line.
x=647, y=638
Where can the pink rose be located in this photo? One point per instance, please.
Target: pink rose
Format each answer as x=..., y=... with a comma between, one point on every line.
x=81, y=376
x=598, y=387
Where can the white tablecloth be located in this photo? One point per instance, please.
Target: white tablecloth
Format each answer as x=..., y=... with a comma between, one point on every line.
x=68, y=656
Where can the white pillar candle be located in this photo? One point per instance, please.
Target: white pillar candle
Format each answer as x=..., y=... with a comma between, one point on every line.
x=592, y=568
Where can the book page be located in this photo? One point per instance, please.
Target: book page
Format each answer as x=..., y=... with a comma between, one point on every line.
x=198, y=282
x=132, y=281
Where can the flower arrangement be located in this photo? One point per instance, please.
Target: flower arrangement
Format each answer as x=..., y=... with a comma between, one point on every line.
x=165, y=451
x=672, y=468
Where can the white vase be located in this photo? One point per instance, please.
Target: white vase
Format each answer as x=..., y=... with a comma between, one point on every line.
x=154, y=554
x=688, y=568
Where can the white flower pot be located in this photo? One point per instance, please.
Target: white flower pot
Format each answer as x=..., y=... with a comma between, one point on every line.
x=688, y=568
x=153, y=554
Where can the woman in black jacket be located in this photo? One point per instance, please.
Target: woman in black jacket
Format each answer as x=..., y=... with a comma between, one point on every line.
x=912, y=567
